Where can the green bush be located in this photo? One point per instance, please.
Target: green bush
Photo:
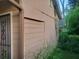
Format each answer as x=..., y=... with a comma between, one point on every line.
x=69, y=42
x=72, y=21
x=63, y=40
x=74, y=43
x=61, y=54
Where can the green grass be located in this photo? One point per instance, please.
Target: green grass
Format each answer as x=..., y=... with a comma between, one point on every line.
x=60, y=54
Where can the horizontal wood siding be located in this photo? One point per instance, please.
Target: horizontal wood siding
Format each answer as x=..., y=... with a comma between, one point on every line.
x=15, y=23
x=33, y=37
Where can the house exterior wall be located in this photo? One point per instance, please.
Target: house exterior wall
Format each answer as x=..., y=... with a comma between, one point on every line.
x=41, y=10
x=34, y=37
x=16, y=36
x=38, y=10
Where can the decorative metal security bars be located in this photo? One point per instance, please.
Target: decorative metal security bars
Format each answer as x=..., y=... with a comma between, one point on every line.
x=5, y=37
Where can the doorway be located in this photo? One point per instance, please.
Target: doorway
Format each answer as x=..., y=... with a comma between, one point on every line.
x=5, y=36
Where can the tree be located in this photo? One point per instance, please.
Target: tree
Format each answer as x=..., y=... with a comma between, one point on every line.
x=73, y=21
x=73, y=3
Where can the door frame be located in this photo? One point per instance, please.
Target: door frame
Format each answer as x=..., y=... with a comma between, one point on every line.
x=11, y=28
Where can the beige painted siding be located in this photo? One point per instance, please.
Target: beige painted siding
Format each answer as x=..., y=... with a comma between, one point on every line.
x=36, y=34
x=40, y=10
x=15, y=23
x=33, y=37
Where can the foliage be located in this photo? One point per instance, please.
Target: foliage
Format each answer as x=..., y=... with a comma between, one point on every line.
x=72, y=21
x=61, y=54
x=63, y=39
x=69, y=43
x=73, y=3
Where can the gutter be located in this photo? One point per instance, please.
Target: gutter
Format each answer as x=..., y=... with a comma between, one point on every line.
x=57, y=8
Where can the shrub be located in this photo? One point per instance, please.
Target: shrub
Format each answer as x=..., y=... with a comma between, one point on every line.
x=72, y=21
x=63, y=40
x=69, y=43
x=61, y=54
